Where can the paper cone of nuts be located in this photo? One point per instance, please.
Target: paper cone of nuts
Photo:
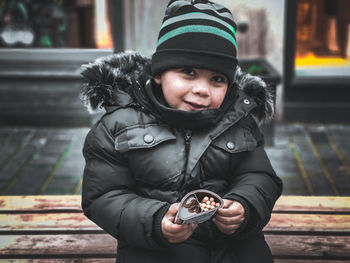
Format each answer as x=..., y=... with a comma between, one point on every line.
x=198, y=206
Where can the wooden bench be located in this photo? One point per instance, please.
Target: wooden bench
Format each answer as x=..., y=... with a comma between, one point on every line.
x=53, y=229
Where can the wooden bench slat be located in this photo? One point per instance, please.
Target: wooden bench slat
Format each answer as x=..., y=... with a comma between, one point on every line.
x=313, y=204
x=62, y=260
x=77, y=221
x=40, y=203
x=112, y=260
x=308, y=222
x=307, y=261
x=72, y=202
x=103, y=244
x=46, y=222
x=96, y=245
x=309, y=246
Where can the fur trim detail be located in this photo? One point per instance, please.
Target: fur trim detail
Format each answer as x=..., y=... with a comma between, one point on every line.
x=102, y=77
x=262, y=94
x=128, y=70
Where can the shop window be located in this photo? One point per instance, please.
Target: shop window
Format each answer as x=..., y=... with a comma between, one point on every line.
x=55, y=24
x=322, y=38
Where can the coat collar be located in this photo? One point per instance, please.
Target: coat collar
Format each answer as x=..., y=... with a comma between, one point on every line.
x=201, y=141
x=110, y=82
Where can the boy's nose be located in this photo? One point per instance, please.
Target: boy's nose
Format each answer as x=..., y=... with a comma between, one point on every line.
x=201, y=87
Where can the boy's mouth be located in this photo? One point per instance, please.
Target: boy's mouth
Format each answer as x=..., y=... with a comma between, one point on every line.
x=196, y=106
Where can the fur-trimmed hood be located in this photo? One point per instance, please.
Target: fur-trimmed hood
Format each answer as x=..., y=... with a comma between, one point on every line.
x=107, y=79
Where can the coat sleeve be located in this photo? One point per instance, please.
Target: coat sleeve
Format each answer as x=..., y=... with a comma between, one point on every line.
x=109, y=195
x=255, y=181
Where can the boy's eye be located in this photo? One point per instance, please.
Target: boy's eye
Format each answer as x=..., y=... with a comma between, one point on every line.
x=188, y=71
x=219, y=78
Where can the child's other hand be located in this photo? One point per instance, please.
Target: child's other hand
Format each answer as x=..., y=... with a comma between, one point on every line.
x=175, y=233
x=229, y=217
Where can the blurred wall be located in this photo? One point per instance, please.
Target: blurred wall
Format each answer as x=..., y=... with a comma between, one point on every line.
x=143, y=20
x=264, y=37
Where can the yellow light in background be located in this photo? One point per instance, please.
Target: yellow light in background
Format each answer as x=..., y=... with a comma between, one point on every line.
x=311, y=60
x=103, y=37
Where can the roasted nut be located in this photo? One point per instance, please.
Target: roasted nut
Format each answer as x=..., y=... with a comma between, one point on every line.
x=194, y=206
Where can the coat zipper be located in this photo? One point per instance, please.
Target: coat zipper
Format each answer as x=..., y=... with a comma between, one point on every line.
x=188, y=137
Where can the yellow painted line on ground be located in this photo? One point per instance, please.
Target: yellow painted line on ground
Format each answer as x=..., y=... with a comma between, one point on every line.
x=78, y=186
x=9, y=159
x=20, y=171
x=301, y=167
x=323, y=166
x=5, y=141
x=289, y=176
x=53, y=172
x=339, y=154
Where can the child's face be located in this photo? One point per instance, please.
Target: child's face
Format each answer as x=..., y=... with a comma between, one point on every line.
x=193, y=89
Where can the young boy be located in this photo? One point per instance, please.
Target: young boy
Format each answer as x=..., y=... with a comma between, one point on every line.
x=183, y=121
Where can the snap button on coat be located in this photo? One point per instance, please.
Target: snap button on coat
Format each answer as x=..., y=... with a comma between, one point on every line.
x=246, y=101
x=148, y=138
x=230, y=145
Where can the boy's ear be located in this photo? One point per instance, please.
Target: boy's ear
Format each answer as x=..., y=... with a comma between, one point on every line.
x=157, y=79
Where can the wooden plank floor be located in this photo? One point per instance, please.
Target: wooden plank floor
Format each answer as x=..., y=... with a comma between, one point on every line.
x=310, y=159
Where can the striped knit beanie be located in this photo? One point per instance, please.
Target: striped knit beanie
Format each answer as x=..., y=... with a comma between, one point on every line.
x=196, y=34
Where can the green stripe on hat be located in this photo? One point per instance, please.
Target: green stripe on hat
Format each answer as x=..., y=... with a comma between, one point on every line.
x=197, y=15
x=197, y=29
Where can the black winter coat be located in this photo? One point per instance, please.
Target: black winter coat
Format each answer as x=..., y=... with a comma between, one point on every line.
x=137, y=165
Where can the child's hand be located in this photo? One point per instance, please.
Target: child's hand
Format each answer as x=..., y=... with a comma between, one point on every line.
x=229, y=217
x=175, y=233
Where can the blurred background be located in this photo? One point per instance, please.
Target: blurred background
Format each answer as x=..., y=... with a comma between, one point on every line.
x=301, y=48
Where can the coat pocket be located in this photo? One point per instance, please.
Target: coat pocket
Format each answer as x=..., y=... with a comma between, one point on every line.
x=142, y=137
x=152, y=152
x=236, y=140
